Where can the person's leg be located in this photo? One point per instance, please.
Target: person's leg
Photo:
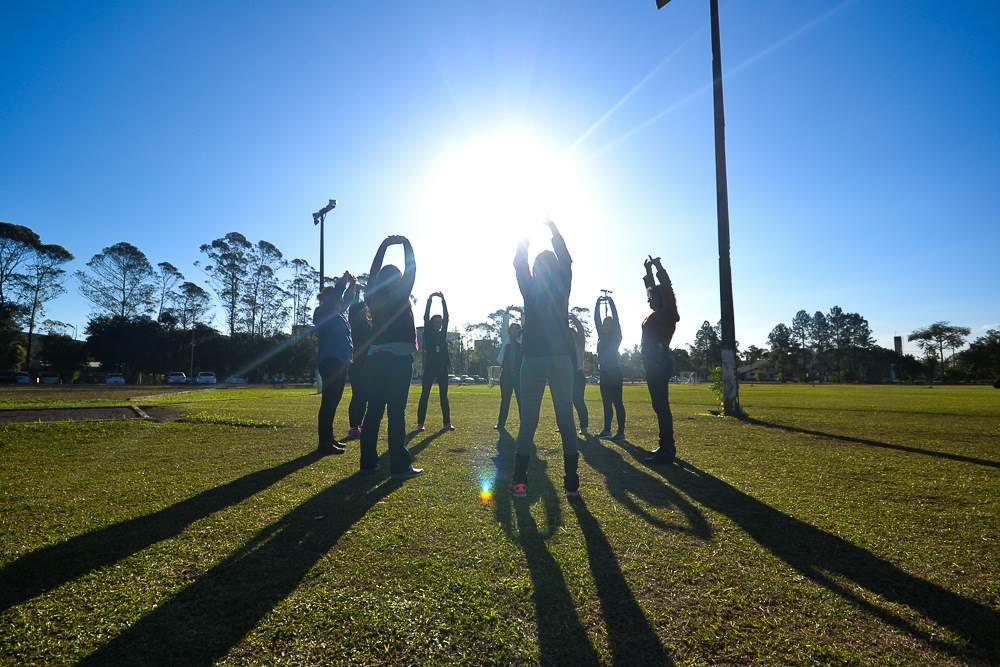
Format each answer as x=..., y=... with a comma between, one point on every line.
x=398, y=390
x=327, y=404
x=339, y=381
x=506, y=388
x=375, y=370
x=532, y=388
x=606, y=400
x=579, y=388
x=657, y=381
x=561, y=384
x=356, y=409
x=425, y=391
x=442, y=380
x=618, y=399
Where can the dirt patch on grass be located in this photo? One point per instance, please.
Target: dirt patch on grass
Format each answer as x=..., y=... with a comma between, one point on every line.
x=110, y=413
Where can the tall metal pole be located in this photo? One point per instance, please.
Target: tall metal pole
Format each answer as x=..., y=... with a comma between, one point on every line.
x=730, y=387
x=322, y=273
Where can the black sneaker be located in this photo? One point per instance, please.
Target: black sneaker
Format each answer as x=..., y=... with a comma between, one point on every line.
x=661, y=457
x=330, y=448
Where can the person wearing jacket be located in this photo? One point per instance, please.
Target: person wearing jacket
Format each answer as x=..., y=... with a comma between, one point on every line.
x=657, y=332
x=436, y=362
x=609, y=361
x=361, y=334
x=333, y=333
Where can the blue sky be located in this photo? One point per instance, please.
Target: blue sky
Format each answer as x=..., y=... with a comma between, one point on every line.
x=862, y=143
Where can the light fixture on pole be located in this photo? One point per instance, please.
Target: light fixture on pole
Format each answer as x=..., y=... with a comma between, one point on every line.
x=319, y=217
x=730, y=388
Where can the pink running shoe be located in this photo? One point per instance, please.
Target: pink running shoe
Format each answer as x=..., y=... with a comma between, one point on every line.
x=519, y=490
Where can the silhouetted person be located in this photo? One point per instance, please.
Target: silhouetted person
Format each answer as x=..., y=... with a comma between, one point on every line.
x=510, y=366
x=996, y=385
x=579, y=336
x=548, y=356
x=657, y=331
x=333, y=332
x=390, y=359
x=435, y=346
x=361, y=334
x=609, y=361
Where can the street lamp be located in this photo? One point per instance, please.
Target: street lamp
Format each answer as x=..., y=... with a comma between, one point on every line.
x=730, y=388
x=319, y=217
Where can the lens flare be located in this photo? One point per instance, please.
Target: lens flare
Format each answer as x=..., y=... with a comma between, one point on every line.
x=486, y=490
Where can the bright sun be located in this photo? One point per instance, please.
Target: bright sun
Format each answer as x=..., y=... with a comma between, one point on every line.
x=500, y=187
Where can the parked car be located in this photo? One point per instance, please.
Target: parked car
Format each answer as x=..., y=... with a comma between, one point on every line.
x=467, y=379
x=22, y=378
x=205, y=377
x=177, y=377
x=114, y=378
x=454, y=379
x=236, y=379
x=49, y=378
x=593, y=379
x=479, y=379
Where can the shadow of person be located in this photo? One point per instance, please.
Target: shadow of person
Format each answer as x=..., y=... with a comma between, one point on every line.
x=625, y=482
x=562, y=638
x=50, y=567
x=821, y=556
x=874, y=443
x=631, y=638
x=204, y=621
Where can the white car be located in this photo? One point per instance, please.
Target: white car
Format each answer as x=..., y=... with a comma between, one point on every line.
x=114, y=378
x=467, y=379
x=236, y=379
x=177, y=377
x=206, y=377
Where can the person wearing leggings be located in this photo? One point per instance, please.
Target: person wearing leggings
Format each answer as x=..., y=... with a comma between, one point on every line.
x=333, y=332
x=609, y=361
x=435, y=345
x=390, y=359
x=510, y=367
x=657, y=331
x=361, y=334
x=579, y=335
x=548, y=353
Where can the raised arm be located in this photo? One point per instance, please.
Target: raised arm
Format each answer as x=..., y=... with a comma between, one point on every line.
x=578, y=326
x=562, y=252
x=444, y=312
x=521, y=269
x=427, y=310
x=350, y=292
x=614, y=310
x=505, y=327
x=379, y=258
x=410, y=265
x=648, y=278
x=597, y=317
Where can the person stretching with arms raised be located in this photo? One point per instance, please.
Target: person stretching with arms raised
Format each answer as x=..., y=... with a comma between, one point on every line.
x=435, y=345
x=657, y=331
x=510, y=366
x=333, y=333
x=361, y=334
x=579, y=336
x=548, y=350
x=390, y=359
x=609, y=339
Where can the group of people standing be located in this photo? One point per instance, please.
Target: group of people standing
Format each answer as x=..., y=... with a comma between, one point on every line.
x=372, y=341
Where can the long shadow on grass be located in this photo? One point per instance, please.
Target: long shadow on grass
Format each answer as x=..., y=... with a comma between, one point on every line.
x=874, y=443
x=50, y=567
x=625, y=482
x=821, y=556
x=562, y=638
x=199, y=625
x=630, y=636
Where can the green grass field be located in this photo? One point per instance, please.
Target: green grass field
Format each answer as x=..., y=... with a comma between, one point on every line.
x=845, y=525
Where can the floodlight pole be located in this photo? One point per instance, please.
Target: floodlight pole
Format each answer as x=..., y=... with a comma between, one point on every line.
x=730, y=386
x=319, y=218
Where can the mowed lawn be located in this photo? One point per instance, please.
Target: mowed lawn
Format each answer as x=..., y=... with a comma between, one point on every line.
x=839, y=525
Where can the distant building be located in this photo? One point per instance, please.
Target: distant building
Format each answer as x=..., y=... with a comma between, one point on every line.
x=897, y=342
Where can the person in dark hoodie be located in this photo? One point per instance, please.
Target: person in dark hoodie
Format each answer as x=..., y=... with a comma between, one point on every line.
x=436, y=362
x=657, y=332
x=609, y=361
x=361, y=334
x=390, y=359
x=333, y=332
x=548, y=351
